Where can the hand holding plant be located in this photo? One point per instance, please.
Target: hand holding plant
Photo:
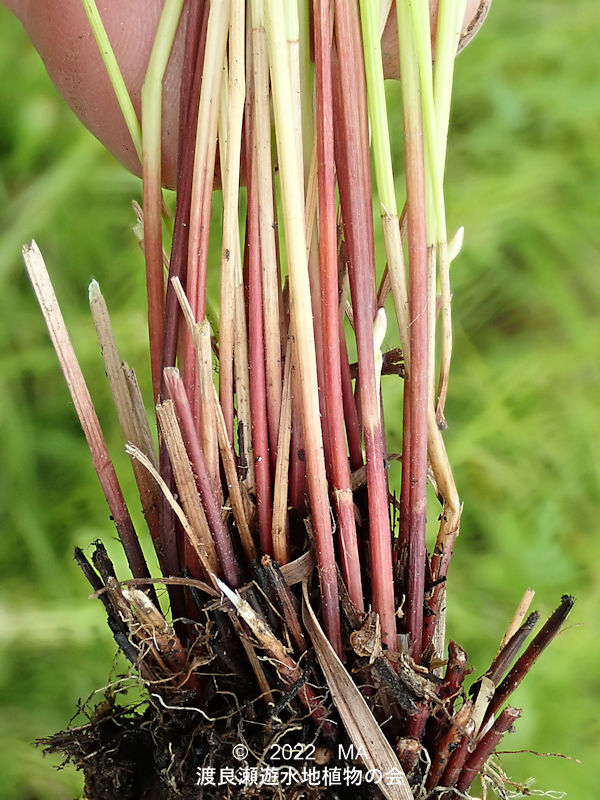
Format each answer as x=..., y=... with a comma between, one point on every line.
x=63, y=37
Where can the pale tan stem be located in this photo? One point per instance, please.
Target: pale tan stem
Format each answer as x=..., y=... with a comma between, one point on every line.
x=197, y=529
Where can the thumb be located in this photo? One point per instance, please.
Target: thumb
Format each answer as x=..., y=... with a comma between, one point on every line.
x=62, y=35
x=475, y=14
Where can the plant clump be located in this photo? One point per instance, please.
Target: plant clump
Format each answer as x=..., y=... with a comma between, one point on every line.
x=294, y=642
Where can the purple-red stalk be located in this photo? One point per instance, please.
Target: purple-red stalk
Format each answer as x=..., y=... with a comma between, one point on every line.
x=267, y=221
x=509, y=652
x=456, y=669
x=316, y=298
x=297, y=468
x=448, y=744
x=353, y=429
x=196, y=285
x=332, y=393
x=401, y=545
x=537, y=646
x=188, y=116
x=485, y=747
x=457, y=761
x=414, y=727
x=297, y=455
x=301, y=324
x=188, y=119
x=154, y=268
x=258, y=402
x=352, y=159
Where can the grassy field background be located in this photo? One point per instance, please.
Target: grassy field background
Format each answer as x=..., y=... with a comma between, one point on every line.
x=524, y=401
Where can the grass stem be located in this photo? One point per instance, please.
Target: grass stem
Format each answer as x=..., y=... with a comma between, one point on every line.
x=202, y=181
x=125, y=410
x=353, y=171
x=152, y=174
x=258, y=379
x=301, y=316
x=384, y=173
x=271, y=287
x=329, y=310
x=114, y=73
x=416, y=393
x=222, y=539
x=101, y=460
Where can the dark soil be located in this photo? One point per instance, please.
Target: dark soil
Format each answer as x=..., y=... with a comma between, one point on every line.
x=155, y=754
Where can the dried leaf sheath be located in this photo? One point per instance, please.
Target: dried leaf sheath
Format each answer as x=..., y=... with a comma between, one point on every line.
x=103, y=465
x=132, y=427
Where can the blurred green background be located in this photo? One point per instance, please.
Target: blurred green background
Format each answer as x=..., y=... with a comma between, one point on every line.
x=524, y=412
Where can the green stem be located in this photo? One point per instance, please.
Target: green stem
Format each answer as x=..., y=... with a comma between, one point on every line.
x=415, y=423
x=114, y=73
x=450, y=17
x=384, y=173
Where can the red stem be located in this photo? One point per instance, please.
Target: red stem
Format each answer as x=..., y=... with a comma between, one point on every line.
x=334, y=417
x=414, y=727
x=315, y=266
x=188, y=120
x=353, y=429
x=447, y=744
x=401, y=544
x=486, y=747
x=536, y=647
x=188, y=115
x=505, y=657
x=456, y=669
x=154, y=269
x=197, y=261
x=352, y=154
x=457, y=761
x=415, y=407
x=258, y=402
